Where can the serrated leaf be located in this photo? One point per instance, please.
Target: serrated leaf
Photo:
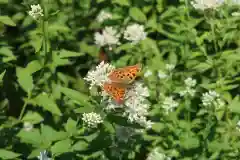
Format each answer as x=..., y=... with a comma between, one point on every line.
x=80, y=146
x=190, y=142
x=71, y=126
x=158, y=127
x=5, y=154
x=32, y=117
x=24, y=79
x=79, y=97
x=65, y=54
x=50, y=135
x=33, y=66
x=60, y=147
x=35, y=153
x=202, y=67
x=1, y=75
x=137, y=14
x=48, y=103
x=234, y=105
x=7, y=21
x=32, y=137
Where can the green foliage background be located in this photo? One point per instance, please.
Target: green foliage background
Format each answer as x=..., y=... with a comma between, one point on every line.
x=43, y=64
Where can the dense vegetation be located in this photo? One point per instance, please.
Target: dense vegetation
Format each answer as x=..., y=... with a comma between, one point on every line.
x=56, y=56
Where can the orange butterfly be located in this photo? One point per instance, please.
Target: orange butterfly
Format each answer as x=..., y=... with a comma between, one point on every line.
x=120, y=79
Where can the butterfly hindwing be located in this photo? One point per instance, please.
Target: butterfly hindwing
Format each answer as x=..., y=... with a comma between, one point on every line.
x=125, y=75
x=116, y=91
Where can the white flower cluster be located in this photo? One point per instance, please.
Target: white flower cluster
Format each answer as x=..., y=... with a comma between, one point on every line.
x=111, y=37
x=103, y=15
x=92, y=119
x=206, y=4
x=212, y=98
x=170, y=67
x=36, y=11
x=43, y=156
x=156, y=155
x=169, y=104
x=135, y=33
x=135, y=106
x=99, y=75
x=190, y=87
x=148, y=73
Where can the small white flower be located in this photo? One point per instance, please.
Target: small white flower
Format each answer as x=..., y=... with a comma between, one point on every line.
x=156, y=155
x=169, y=104
x=206, y=4
x=43, y=156
x=36, y=11
x=103, y=15
x=27, y=126
x=92, y=119
x=109, y=37
x=135, y=106
x=170, y=67
x=189, y=90
x=212, y=98
x=238, y=126
x=236, y=14
x=99, y=75
x=135, y=33
x=148, y=73
x=189, y=82
x=237, y=2
x=162, y=75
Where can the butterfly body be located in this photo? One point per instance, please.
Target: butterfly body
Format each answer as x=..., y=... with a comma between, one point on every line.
x=119, y=81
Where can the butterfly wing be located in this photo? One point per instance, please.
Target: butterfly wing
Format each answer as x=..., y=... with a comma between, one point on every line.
x=125, y=75
x=116, y=91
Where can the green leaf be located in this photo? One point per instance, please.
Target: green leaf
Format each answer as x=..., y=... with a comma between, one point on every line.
x=33, y=66
x=48, y=103
x=137, y=14
x=234, y=105
x=158, y=127
x=33, y=137
x=7, y=21
x=121, y=2
x=32, y=117
x=50, y=135
x=24, y=79
x=190, y=142
x=5, y=154
x=35, y=153
x=1, y=75
x=79, y=97
x=80, y=146
x=60, y=147
x=71, y=126
x=65, y=54
x=202, y=67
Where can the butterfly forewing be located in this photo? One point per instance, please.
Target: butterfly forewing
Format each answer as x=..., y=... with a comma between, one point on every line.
x=125, y=75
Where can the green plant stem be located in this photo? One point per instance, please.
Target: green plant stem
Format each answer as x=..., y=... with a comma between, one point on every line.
x=214, y=35
x=45, y=33
x=186, y=4
x=24, y=106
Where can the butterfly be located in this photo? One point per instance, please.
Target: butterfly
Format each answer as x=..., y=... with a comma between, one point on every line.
x=120, y=79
